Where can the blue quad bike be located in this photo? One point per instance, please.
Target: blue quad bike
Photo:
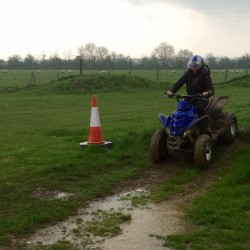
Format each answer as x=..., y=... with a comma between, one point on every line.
x=186, y=131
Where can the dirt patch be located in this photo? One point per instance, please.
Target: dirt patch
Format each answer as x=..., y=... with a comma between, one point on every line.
x=147, y=221
x=50, y=194
x=156, y=173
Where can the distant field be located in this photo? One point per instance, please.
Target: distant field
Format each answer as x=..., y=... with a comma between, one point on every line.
x=20, y=78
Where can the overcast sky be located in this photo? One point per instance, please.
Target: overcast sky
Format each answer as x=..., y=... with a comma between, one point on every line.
x=130, y=27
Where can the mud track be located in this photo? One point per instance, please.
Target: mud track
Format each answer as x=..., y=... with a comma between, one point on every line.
x=147, y=221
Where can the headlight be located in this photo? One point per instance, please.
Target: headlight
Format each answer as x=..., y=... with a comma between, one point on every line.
x=187, y=133
x=168, y=131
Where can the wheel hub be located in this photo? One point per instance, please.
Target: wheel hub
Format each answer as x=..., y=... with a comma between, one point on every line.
x=233, y=129
x=208, y=151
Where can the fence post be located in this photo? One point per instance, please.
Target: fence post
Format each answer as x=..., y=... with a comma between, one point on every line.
x=157, y=76
x=226, y=76
x=246, y=71
x=81, y=66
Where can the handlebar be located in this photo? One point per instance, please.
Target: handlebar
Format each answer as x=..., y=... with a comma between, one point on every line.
x=188, y=97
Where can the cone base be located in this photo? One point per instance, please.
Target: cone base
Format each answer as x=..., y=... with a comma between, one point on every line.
x=106, y=144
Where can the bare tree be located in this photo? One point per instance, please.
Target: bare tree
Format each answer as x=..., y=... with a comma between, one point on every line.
x=182, y=57
x=102, y=53
x=15, y=62
x=184, y=53
x=88, y=52
x=68, y=55
x=211, y=60
x=164, y=53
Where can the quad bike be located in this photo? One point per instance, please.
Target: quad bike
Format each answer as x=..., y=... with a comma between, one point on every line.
x=186, y=131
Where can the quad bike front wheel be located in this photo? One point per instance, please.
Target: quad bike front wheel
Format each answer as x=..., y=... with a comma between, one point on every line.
x=203, y=150
x=231, y=128
x=158, y=146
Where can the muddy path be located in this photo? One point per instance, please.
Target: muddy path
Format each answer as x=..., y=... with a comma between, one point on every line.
x=138, y=223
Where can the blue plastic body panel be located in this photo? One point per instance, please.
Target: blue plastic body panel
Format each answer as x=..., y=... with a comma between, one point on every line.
x=182, y=119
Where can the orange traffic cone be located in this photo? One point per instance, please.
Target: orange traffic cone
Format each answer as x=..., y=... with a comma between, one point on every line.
x=95, y=131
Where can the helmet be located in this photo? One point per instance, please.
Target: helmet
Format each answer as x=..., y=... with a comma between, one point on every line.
x=195, y=62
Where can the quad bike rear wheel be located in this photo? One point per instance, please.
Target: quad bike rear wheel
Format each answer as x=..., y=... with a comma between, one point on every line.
x=158, y=146
x=203, y=150
x=231, y=127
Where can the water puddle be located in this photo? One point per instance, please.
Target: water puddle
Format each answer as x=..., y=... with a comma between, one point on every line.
x=137, y=222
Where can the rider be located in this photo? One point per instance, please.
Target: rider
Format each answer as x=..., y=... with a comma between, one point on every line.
x=198, y=81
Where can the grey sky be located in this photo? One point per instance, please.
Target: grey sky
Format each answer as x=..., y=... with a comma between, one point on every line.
x=130, y=27
x=212, y=5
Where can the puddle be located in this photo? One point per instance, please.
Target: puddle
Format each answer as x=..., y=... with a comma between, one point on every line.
x=147, y=221
x=161, y=219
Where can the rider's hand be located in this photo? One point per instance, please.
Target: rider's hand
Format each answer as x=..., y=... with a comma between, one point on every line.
x=206, y=93
x=170, y=93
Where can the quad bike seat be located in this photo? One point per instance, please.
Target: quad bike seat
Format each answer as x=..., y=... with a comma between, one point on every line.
x=215, y=106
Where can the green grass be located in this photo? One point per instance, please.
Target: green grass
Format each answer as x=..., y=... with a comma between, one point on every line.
x=221, y=217
x=39, y=148
x=107, y=224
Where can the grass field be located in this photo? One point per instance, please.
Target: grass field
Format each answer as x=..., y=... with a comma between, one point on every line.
x=39, y=148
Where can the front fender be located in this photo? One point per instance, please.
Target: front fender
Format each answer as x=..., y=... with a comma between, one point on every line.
x=203, y=118
x=164, y=119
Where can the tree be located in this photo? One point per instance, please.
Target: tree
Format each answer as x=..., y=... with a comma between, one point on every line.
x=29, y=62
x=2, y=63
x=102, y=54
x=211, y=61
x=225, y=63
x=145, y=62
x=182, y=57
x=164, y=53
x=244, y=61
x=68, y=55
x=154, y=62
x=43, y=61
x=55, y=61
x=88, y=52
x=15, y=62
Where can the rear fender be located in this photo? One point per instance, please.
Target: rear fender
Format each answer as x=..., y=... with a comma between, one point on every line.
x=164, y=119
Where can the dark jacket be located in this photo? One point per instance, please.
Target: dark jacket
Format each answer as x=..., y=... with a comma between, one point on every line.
x=195, y=83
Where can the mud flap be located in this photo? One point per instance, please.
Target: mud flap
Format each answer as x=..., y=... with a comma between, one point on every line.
x=216, y=107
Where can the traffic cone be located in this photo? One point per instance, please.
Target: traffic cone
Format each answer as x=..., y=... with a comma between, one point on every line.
x=95, y=131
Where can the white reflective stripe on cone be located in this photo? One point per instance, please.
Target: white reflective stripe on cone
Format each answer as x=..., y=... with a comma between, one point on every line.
x=95, y=119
